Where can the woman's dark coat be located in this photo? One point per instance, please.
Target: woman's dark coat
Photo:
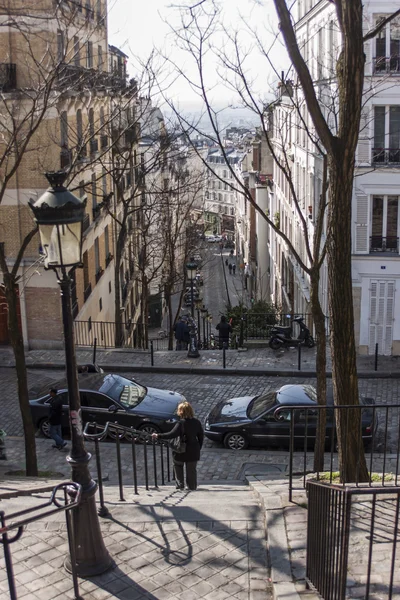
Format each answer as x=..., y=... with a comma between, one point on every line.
x=194, y=439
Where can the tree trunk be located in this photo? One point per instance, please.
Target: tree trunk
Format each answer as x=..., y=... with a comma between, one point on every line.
x=20, y=365
x=320, y=330
x=352, y=464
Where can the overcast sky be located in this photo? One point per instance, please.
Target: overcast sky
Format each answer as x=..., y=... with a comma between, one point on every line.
x=139, y=28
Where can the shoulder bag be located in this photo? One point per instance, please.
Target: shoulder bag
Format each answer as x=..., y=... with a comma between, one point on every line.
x=178, y=444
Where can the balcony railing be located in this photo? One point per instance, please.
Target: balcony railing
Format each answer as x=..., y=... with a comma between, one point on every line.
x=389, y=243
x=386, y=64
x=87, y=292
x=65, y=158
x=109, y=258
x=8, y=77
x=99, y=273
x=386, y=156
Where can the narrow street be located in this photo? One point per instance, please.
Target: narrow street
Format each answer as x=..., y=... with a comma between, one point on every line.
x=218, y=283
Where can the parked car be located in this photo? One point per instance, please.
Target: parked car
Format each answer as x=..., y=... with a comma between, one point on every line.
x=211, y=238
x=113, y=398
x=250, y=420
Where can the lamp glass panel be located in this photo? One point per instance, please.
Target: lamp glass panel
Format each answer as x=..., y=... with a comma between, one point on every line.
x=61, y=244
x=192, y=272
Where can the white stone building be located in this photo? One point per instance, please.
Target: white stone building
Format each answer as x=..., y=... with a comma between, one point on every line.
x=376, y=222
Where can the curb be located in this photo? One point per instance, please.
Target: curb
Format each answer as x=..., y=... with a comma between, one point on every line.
x=284, y=588
x=193, y=370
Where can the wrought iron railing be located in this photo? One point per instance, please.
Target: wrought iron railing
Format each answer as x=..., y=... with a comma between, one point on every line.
x=151, y=459
x=87, y=291
x=386, y=64
x=386, y=156
x=17, y=521
x=378, y=243
x=335, y=515
x=381, y=443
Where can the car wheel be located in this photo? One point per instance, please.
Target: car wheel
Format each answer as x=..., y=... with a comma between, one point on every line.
x=235, y=441
x=44, y=427
x=275, y=343
x=310, y=342
x=149, y=428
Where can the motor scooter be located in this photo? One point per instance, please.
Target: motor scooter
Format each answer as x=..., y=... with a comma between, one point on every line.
x=283, y=336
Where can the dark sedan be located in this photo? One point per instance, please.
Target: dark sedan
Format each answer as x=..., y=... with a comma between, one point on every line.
x=239, y=422
x=114, y=398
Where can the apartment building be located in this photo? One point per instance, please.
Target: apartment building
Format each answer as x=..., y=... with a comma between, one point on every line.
x=252, y=232
x=375, y=204
x=63, y=63
x=219, y=197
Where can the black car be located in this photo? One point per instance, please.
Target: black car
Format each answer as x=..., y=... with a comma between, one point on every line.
x=113, y=398
x=239, y=422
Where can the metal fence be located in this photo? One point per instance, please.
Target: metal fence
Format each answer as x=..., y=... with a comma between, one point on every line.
x=151, y=459
x=258, y=326
x=340, y=521
x=18, y=520
x=380, y=436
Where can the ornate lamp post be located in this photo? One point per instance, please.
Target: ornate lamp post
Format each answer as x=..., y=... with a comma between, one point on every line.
x=191, y=268
x=59, y=215
x=204, y=313
x=209, y=323
x=198, y=304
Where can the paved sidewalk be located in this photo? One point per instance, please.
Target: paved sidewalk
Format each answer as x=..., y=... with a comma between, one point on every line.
x=165, y=544
x=262, y=361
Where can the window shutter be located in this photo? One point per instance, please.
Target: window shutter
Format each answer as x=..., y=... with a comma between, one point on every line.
x=364, y=140
x=361, y=245
x=389, y=318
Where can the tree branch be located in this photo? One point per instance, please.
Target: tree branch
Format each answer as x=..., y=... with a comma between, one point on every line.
x=304, y=75
x=374, y=32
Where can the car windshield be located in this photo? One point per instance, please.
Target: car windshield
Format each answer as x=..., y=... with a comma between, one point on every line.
x=128, y=393
x=260, y=404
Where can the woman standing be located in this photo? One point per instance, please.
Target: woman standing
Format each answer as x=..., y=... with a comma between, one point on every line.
x=190, y=429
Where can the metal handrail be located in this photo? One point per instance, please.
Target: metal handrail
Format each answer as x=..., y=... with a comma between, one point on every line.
x=72, y=497
x=376, y=409
x=134, y=436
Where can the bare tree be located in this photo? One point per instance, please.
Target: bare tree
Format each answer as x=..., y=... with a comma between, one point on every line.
x=195, y=36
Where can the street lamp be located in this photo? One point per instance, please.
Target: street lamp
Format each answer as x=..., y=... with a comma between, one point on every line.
x=191, y=268
x=198, y=304
x=204, y=313
x=209, y=323
x=59, y=215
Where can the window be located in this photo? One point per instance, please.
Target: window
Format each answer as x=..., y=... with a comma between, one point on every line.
x=60, y=46
x=94, y=193
x=387, y=47
x=96, y=255
x=91, y=122
x=81, y=189
x=106, y=241
x=64, y=130
x=100, y=57
x=386, y=134
x=385, y=224
x=89, y=56
x=93, y=400
x=77, y=52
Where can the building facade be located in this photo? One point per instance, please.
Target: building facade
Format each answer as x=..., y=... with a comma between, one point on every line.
x=62, y=65
x=375, y=204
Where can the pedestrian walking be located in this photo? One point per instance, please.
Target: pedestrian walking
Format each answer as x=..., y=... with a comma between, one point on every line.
x=230, y=269
x=55, y=419
x=182, y=334
x=233, y=268
x=224, y=329
x=190, y=430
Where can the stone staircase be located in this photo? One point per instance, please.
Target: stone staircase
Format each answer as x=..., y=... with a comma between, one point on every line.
x=166, y=543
